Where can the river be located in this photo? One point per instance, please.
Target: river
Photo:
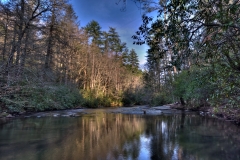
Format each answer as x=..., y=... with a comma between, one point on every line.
x=104, y=135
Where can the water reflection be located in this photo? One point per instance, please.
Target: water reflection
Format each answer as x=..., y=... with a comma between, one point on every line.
x=116, y=136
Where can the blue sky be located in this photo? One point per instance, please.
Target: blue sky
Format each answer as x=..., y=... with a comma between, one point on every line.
x=108, y=14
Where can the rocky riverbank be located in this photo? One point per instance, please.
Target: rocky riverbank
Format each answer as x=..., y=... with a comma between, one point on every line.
x=223, y=113
x=144, y=110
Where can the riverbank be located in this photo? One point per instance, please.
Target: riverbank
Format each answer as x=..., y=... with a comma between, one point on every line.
x=144, y=110
x=223, y=113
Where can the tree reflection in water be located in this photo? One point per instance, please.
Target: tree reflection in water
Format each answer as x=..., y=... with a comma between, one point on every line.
x=116, y=136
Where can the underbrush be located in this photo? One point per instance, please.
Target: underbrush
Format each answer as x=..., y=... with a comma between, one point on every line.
x=96, y=100
x=160, y=99
x=138, y=96
x=39, y=98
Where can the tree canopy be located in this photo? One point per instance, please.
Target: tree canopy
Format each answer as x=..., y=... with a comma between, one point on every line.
x=200, y=37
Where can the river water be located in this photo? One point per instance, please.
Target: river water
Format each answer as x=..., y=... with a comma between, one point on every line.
x=100, y=135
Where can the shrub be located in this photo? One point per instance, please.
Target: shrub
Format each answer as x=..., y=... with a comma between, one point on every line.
x=67, y=97
x=137, y=96
x=40, y=98
x=129, y=98
x=194, y=86
x=94, y=100
x=159, y=99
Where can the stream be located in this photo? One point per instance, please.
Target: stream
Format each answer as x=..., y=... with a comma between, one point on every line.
x=118, y=134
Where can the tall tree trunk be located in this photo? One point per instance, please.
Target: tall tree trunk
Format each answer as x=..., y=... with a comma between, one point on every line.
x=92, y=71
x=5, y=40
x=49, y=47
x=182, y=101
x=11, y=54
x=49, y=55
x=23, y=56
x=20, y=35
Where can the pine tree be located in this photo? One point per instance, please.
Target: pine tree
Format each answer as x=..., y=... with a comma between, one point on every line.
x=133, y=59
x=93, y=30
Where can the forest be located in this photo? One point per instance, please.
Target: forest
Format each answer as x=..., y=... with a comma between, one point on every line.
x=48, y=61
x=194, y=55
